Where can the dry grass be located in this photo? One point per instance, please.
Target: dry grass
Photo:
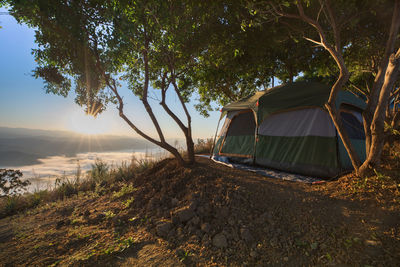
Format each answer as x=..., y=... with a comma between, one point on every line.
x=100, y=177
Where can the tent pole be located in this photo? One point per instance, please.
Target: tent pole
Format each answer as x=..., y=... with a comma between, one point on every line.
x=255, y=137
x=215, y=137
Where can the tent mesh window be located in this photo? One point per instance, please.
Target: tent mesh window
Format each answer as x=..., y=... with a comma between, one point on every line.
x=352, y=125
x=242, y=124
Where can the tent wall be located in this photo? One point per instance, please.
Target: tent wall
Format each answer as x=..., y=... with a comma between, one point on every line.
x=238, y=140
x=301, y=141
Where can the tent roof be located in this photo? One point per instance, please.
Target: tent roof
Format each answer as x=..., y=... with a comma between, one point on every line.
x=249, y=102
x=291, y=96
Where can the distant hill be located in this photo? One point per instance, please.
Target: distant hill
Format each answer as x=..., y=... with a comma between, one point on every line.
x=19, y=146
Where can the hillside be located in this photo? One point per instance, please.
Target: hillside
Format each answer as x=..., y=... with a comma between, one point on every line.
x=212, y=215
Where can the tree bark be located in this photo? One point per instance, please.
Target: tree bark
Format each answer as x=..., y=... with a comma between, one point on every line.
x=378, y=122
x=368, y=113
x=188, y=133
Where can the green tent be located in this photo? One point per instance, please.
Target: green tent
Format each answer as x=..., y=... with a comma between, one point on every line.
x=287, y=128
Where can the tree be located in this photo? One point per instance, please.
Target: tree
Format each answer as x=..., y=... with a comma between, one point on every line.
x=242, y=56
x=336, y=28
x=94, y=44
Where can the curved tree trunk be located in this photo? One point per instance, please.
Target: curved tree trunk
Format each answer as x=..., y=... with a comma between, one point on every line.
x=378, y=122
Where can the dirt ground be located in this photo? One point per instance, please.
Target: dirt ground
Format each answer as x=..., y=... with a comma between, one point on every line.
x=210, y=215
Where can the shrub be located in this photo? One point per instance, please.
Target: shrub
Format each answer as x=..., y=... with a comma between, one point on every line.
x=203, y=146
x=100, y=171
x=11, y=183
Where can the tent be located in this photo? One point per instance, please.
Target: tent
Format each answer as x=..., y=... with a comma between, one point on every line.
x=288, y=128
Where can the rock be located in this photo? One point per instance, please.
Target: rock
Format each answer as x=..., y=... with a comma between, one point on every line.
x=163, y=229
x=223, y=212
x=231, y=221
x=179, y=232
x=246, y=235
x=219, y=241
x=62, y=222
x=191, y=229
x=65, y=211
x=235, y=235
x=175, y=218
x=253, y=254
x=206, y=227
x=195, y=220
x=194, y=204
x=285, y=258
x=204, y=210
x=185, y=214
x=174, y=202
x=372, y=243
x=199, y=233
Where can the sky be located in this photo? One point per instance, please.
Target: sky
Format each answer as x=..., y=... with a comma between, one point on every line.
x=24, y=103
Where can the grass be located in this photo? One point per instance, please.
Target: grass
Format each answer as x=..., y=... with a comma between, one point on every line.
x=125, y=189
x=97, y=181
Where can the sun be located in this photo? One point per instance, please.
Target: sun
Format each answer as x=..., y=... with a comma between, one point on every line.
x=81, y=123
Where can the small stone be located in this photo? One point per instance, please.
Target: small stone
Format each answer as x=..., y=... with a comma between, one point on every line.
x=194, y=204
x=372, y=243
x=246, y=235
x=285, y=258
x=195, y=220
x=163, y=228
x=179, y=232
x=206, y=227
x=185, y=214
x=219, y=241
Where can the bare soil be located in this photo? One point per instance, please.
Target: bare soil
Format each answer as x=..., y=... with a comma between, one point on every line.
x=210, y=215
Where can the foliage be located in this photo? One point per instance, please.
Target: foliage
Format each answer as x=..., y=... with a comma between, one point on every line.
x=127, y=204
x=100, y=171
x=66, y=187
x=125, y=189
x=11, y=183
x=203, y=145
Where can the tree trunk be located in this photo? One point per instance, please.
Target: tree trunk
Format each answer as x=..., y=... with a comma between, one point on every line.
x=378, y=122
x=369, y=112
x=337, y=121
x=190, y=149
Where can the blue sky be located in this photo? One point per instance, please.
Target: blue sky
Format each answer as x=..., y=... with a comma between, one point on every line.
x=24, y=103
